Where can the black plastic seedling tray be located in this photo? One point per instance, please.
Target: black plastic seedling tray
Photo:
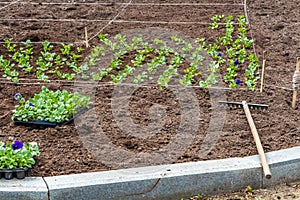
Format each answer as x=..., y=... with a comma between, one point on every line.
x=41, y=123
x=8, y=174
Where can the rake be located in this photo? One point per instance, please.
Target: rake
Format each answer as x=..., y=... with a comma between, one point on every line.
x=259, y=147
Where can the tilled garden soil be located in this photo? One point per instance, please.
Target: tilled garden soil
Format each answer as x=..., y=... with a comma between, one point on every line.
x=69, y=148
x=66, y=149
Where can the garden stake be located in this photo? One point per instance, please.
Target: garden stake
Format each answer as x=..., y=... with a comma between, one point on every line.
x=86, y=38
x=259, y=147
x=262, y=73
x=295, y=83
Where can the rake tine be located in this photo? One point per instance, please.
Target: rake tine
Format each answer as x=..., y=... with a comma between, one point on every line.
x=240, y=105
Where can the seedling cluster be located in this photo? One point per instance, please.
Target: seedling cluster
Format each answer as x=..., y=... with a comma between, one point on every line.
x=22, y=58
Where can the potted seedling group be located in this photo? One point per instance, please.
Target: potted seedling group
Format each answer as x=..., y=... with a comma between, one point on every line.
x=16, y=158
x=49, y=108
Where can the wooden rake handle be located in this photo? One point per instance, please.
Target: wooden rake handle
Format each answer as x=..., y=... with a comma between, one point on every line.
x=259, y=147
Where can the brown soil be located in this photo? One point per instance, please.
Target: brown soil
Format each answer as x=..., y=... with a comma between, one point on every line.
x=62, y=151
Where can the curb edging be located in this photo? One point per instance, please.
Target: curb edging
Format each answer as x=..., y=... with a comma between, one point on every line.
x=172, y=181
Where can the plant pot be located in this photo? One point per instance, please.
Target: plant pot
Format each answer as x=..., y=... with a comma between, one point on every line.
x=18, y=173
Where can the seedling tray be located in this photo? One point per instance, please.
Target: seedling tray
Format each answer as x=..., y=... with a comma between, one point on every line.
x=8, y=174
x=42, y=123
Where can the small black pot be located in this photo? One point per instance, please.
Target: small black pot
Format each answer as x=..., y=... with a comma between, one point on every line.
x=18, y=173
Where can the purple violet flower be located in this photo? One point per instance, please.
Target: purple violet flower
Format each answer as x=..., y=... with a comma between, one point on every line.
x=17, y=96
x=236, y=62
x=220, y=54
x=31, y=104
x=238, y=81
x=17, y=145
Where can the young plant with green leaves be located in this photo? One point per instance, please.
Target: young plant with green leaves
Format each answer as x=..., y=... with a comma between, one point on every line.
x=45, y=61
x=216, y=19
x=8, y=72
x=9, y=45
x=23, y=56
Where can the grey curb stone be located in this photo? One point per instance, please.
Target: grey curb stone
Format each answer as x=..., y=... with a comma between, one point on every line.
x=178, y=180
x=160, y=182
x=284, y=166
x=25, y=189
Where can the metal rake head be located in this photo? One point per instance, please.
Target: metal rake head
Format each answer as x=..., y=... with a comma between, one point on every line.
x=241, y=104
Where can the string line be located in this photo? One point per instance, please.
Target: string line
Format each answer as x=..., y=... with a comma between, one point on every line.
x=9, y=4
x=89, y=83
x=122, y=4
x=106, y=20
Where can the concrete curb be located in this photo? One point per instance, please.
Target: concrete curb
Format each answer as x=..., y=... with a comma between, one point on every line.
x=160, y=182
x=28, y=188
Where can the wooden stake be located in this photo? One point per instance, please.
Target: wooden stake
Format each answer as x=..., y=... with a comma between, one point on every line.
x=259, y=147
x=86, y=38
x=262, y=74
x=294, y=102
x=294, y=99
